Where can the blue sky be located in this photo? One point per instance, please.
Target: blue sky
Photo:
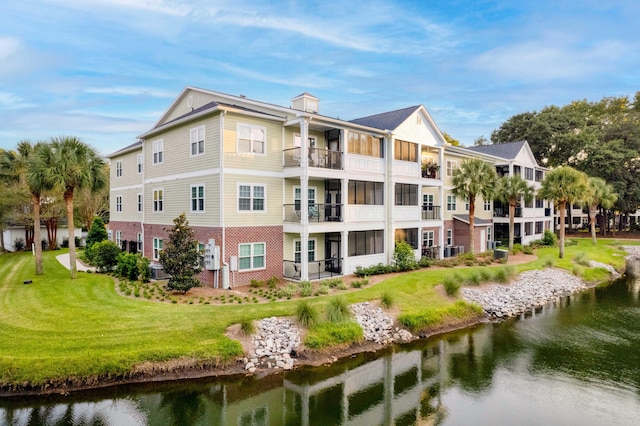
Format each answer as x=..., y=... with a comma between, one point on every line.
x=105, y=70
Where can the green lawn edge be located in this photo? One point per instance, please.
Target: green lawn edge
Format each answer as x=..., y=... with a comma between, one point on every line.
x=56, y=328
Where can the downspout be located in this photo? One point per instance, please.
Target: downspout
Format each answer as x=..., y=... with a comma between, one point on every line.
x=144, y=207
x=442, y=201
x=223, y=243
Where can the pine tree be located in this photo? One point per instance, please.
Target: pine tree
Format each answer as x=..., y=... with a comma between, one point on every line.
x=180, y=256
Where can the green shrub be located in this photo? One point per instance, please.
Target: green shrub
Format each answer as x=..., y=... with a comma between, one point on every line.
x=404, y=257
x=527, y=250
x=306, y=314
x=332, y=282
x=247, y=326
x=273, y=282
x=581, y=259
x=485, y=275
x=576, y=270
x=256, y=283
x=452, y=284
x=105, y=255
x=425, y=262
x=386, y=300
x=378, y=269
x=549, y=238
x=504, y=275
x=360, y=283
x=342, y=286
x=127, y=266
x=474, y=279
x=323, y=289
x=305, y=288
x=338, y=310
x=144, y=269
x=330, y=334
x=97, y=233
x=287, y=291
x=517, y=248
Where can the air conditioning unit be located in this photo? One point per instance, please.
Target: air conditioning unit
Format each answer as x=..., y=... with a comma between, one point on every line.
x=158, y=273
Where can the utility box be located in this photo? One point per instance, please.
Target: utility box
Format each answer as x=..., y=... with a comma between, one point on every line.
x=211, y=256
x=501, y=254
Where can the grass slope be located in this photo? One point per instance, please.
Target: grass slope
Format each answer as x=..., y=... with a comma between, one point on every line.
x=57, y=328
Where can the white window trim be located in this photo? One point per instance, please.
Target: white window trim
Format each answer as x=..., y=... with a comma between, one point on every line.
x=487, y=205
x=315, y=251
x=432, y=235
x=252, y=256
x=139, y=163
x=251, y=127
x=139, y=242
x=449, y=239
x=427, y=199
x=153, y=200
x=451, y=167
x=454, y=203
x=156, y=255
x=204, y=198
x=157, y=147
x=118, y=203
x=315, y=194
x=251, y=210
x=195, y=131
x=118, y=169
x=119, y=238
x=140, y=202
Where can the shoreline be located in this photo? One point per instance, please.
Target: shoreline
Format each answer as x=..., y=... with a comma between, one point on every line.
x=190, y=368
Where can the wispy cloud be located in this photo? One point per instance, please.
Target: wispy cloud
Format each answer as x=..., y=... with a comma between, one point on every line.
x=131, y=91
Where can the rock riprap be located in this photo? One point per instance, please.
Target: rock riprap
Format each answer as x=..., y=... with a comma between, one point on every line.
x=531, y=290
x=275, y=341
x=377, y=326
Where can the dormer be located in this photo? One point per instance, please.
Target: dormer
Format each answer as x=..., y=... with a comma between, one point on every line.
x=305, y=102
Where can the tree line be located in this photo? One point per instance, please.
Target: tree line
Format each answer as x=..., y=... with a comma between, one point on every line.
x=50, y=177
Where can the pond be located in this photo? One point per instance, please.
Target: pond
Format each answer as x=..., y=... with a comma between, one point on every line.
x=575, y=362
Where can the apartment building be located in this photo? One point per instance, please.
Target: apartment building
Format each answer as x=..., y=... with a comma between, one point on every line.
x=531, y=219
x=285, y=191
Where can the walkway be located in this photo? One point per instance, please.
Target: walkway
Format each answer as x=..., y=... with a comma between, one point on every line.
x=66, y=262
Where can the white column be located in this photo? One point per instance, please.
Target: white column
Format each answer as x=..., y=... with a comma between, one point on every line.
x=443, y=171
x=389, y=197
x=344, y=250
x=304, y=200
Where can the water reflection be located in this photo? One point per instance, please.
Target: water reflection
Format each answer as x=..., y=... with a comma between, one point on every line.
x=573, y=362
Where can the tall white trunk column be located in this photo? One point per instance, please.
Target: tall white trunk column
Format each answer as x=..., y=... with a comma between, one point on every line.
x=304, y=200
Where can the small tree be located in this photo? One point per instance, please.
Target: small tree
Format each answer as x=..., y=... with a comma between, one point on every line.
x=105, y=255
x=403, y=256
x=180, y=256
x=97, y=232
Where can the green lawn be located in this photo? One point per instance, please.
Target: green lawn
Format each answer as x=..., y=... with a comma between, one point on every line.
x=56, y=328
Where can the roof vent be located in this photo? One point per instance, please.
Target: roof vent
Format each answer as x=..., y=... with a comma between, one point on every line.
x=305, y=102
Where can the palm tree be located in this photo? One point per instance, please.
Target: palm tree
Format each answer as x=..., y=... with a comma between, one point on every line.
x=511, y=189
x=474, y=177
x=564, y=185
x=600, y=193
x=70, y=164
x=20, y=167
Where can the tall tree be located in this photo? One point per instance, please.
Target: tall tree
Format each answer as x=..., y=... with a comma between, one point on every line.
x=89, y=203
x=564, y=185
x=599, y=194
x=512, y=189
x=21, y=168
x=180, y=256
x=474, y=178
x=69, y=164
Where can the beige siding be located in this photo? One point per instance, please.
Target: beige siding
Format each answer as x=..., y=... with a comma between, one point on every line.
x=291, y=184
x=177, y=150
x=271, y=161
x=130, y=174
x=181, y=107
x=421, y=131
x=273, y=213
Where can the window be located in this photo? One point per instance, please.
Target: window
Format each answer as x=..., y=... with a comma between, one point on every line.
x=158, y=203
x=539, y=203
x=364, y=192
x=488, y=233
x=451, y=166
x=528, y=203
x=251, y=256
x=449, y=237
x=157, y=248
x=427, y=238
x=251, y=139
x=119, y=168
x=139, y=241
x=197, y=198
x=119, y=238
x=466, y=203
x=451, y=203
x=516, y=171
x=363, y=144
x=297, y=250
x=251, y=198
x=427, y=200
x=366, y=242
x=487, y=205
x=528, y=228
x=406, y=194
x=539, y=175
x=158, y=149
x=539, y=227
x=119, y=203
x=139, y=163
x=410, y=235
x=528, y=173
x=297, y=195
x=196, y=137
x=405, y=151
x=140, y=203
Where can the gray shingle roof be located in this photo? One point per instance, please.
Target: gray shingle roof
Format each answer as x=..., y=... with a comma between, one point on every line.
x=386, y=120
x=126, y=148
x=508, y=150
x=212, y=105
x=476, y=220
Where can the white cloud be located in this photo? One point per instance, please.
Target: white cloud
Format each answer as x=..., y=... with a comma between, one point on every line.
x=130, y=91
x=172, y=8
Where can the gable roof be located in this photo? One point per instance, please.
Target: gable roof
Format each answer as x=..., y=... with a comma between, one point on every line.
x=386, y=120
x=134, y=146
x=476, y=220
x=508, y=151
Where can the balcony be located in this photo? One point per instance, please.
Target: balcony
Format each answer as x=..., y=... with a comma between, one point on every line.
x=316, y=213
x=318, y=269
x=504, y=212
x=430, y=212
x=320, y=158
